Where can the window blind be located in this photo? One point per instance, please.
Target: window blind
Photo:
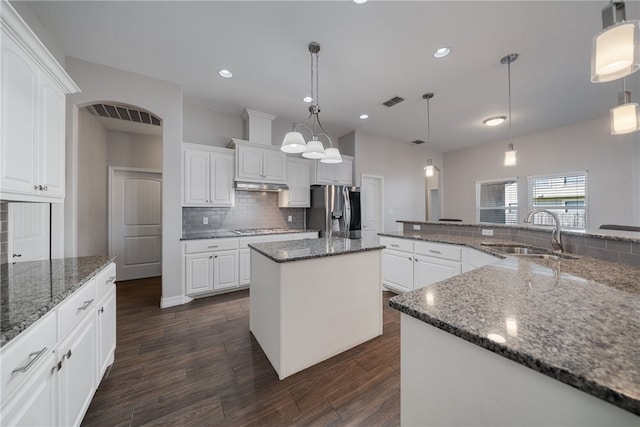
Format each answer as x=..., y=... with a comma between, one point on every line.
x=565, y=194
x=497, y=202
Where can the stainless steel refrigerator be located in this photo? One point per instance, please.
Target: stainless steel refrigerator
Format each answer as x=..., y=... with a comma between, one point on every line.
x=335, y=211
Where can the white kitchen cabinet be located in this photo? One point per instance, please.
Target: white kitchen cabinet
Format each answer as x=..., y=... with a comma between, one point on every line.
x=472, y=259
x=76, y=357
x=333, y=173
x=260, y=163
x=397, y=270
x=299, y=182
x=428, y=270
x=244, y=261
x=106, y=332
x=225, y=269
x=32, y=141
x=207, y=176
x=199, y=273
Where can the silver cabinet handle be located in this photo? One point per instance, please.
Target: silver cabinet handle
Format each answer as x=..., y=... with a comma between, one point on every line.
x=101, y=310
x=85, y=305
x=394, y=246
x=35, y=187
x=45, y=188
x=111, y=279
x=211, y=247
x=435, y=252
x=34, y=357
x=17, y=255
x=67, y=355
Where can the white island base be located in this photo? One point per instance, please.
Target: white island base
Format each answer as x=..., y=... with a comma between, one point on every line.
x=445, y=380
x=306, y=311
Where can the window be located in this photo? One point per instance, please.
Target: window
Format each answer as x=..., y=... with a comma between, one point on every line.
x=497, y=201
x=563, y=194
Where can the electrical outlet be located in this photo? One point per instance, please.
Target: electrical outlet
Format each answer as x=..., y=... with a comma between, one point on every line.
x=290, y=218
x=416, y=227
x=486, y=232
x=205, y=220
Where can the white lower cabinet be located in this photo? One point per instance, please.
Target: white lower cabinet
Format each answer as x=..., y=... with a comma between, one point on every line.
x=51, y=370
x=245, y=266
x=397, y=269
x=199, y=271
x=76, y=357
x=225, y=269
x=428, y=270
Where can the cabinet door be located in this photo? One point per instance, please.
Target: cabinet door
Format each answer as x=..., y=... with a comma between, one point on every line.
x=106, y=324
x=225, y=269
x=196, y=177
x=18, y=146
x=249, y=163
x=51, y=139
x=221, y=180
x=199, y=271
x=429, y=270
x=397, y=270
x=76, y=377
x=298, y=178
x=34, y=403
x=325, y=173
x=274, y=166
x=245, y=267
x=344, y=172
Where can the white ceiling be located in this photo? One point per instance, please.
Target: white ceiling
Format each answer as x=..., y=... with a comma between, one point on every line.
x=369, y=54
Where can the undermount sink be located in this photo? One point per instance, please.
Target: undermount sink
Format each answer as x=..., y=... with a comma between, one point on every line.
x=525, y=251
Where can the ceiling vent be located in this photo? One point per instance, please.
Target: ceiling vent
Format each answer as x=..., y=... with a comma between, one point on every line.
x=417, y=142
x=393, y=101
x=122, y=112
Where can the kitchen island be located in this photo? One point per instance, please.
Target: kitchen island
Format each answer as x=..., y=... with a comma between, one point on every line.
x=522, y=341
x=314, y=298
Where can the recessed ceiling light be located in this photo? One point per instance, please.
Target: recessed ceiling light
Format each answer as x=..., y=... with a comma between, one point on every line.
x=307, y=99
x=364, y=116
x=494, y=121
x=225, y=73
x=442, y=52
x=360, y=1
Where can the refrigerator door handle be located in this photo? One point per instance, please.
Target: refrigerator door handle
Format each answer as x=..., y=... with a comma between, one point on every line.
x=347, y=213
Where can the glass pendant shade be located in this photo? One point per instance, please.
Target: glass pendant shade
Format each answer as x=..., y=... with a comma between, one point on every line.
x=428, y=171
x=332, y=155
x=615, y=52
x=625, y=118
x=314, y=150
x=293, y=142
x=510, y=157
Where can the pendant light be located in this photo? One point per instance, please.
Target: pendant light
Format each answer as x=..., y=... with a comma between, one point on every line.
x=294, y=142
x=625, y=117
x=510, y=154
x=428, y=170
x=615, y=51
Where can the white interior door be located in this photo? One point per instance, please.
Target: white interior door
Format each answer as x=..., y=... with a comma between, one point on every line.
x=371, y=192
x=136, y=223
x=28, y=231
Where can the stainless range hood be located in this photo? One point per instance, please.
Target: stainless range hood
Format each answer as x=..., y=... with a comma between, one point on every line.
x=259, y=186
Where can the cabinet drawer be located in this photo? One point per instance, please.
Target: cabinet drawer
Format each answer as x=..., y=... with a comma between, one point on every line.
x=24, y=353
x=76, y=307
x=397, y=244
x=439, y=250
x=210, y=245
x=105, y=280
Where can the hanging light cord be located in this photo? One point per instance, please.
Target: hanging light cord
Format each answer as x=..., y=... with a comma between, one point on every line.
x=509, y=78
x=428, y=133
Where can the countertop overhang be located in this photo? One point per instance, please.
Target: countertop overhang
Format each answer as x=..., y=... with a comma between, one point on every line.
x=297, y=250
x=575, y=320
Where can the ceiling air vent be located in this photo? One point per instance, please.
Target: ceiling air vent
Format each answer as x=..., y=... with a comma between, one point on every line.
x=417, y=142
x=122, y=112
x=393, y=101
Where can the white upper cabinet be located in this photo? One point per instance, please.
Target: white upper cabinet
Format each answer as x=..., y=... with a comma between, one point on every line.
x=333, y=173
x=260, y=163
x=298, y=180
x=32, y=144
x=207, y=176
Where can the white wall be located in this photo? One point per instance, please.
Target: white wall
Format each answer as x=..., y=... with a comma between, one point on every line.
x=22, y=7
x=402, y=165
x=612, y=182
x=164, y=99
x=92, y=186
x=134, y=150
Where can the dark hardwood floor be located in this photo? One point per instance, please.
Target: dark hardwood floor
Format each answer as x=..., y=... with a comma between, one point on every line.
x=198, y=364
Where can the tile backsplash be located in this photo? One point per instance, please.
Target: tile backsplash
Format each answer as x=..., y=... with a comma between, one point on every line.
x=252, y=209
x=4, y=231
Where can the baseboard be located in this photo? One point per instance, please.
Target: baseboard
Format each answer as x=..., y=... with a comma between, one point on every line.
x=173, y=301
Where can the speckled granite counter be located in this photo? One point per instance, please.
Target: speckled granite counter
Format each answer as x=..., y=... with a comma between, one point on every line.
x=578, y=320
x=297, y=250
x=219, y=234
x=29, y=290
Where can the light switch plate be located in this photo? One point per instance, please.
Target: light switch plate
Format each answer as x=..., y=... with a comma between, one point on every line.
x=290, y=218
x=205, y=220
x=416, y=227
x=486, y=232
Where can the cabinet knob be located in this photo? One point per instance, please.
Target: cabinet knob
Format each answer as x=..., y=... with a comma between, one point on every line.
x=101, y=310
x=45, y=188
x=17, y=255
x=35, y=187
x=67, y=355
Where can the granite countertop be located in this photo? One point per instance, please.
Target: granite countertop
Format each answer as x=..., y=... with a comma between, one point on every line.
x=218, y=234
x=29, y=290
x=574, y=320
x=297, y=250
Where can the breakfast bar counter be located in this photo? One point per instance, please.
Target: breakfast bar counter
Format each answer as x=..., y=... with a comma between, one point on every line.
x=314, y=298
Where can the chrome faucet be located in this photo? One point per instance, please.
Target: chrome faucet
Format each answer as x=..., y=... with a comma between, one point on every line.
x=556, y=237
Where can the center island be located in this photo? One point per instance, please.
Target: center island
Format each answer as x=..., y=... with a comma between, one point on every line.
x=314, y=298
